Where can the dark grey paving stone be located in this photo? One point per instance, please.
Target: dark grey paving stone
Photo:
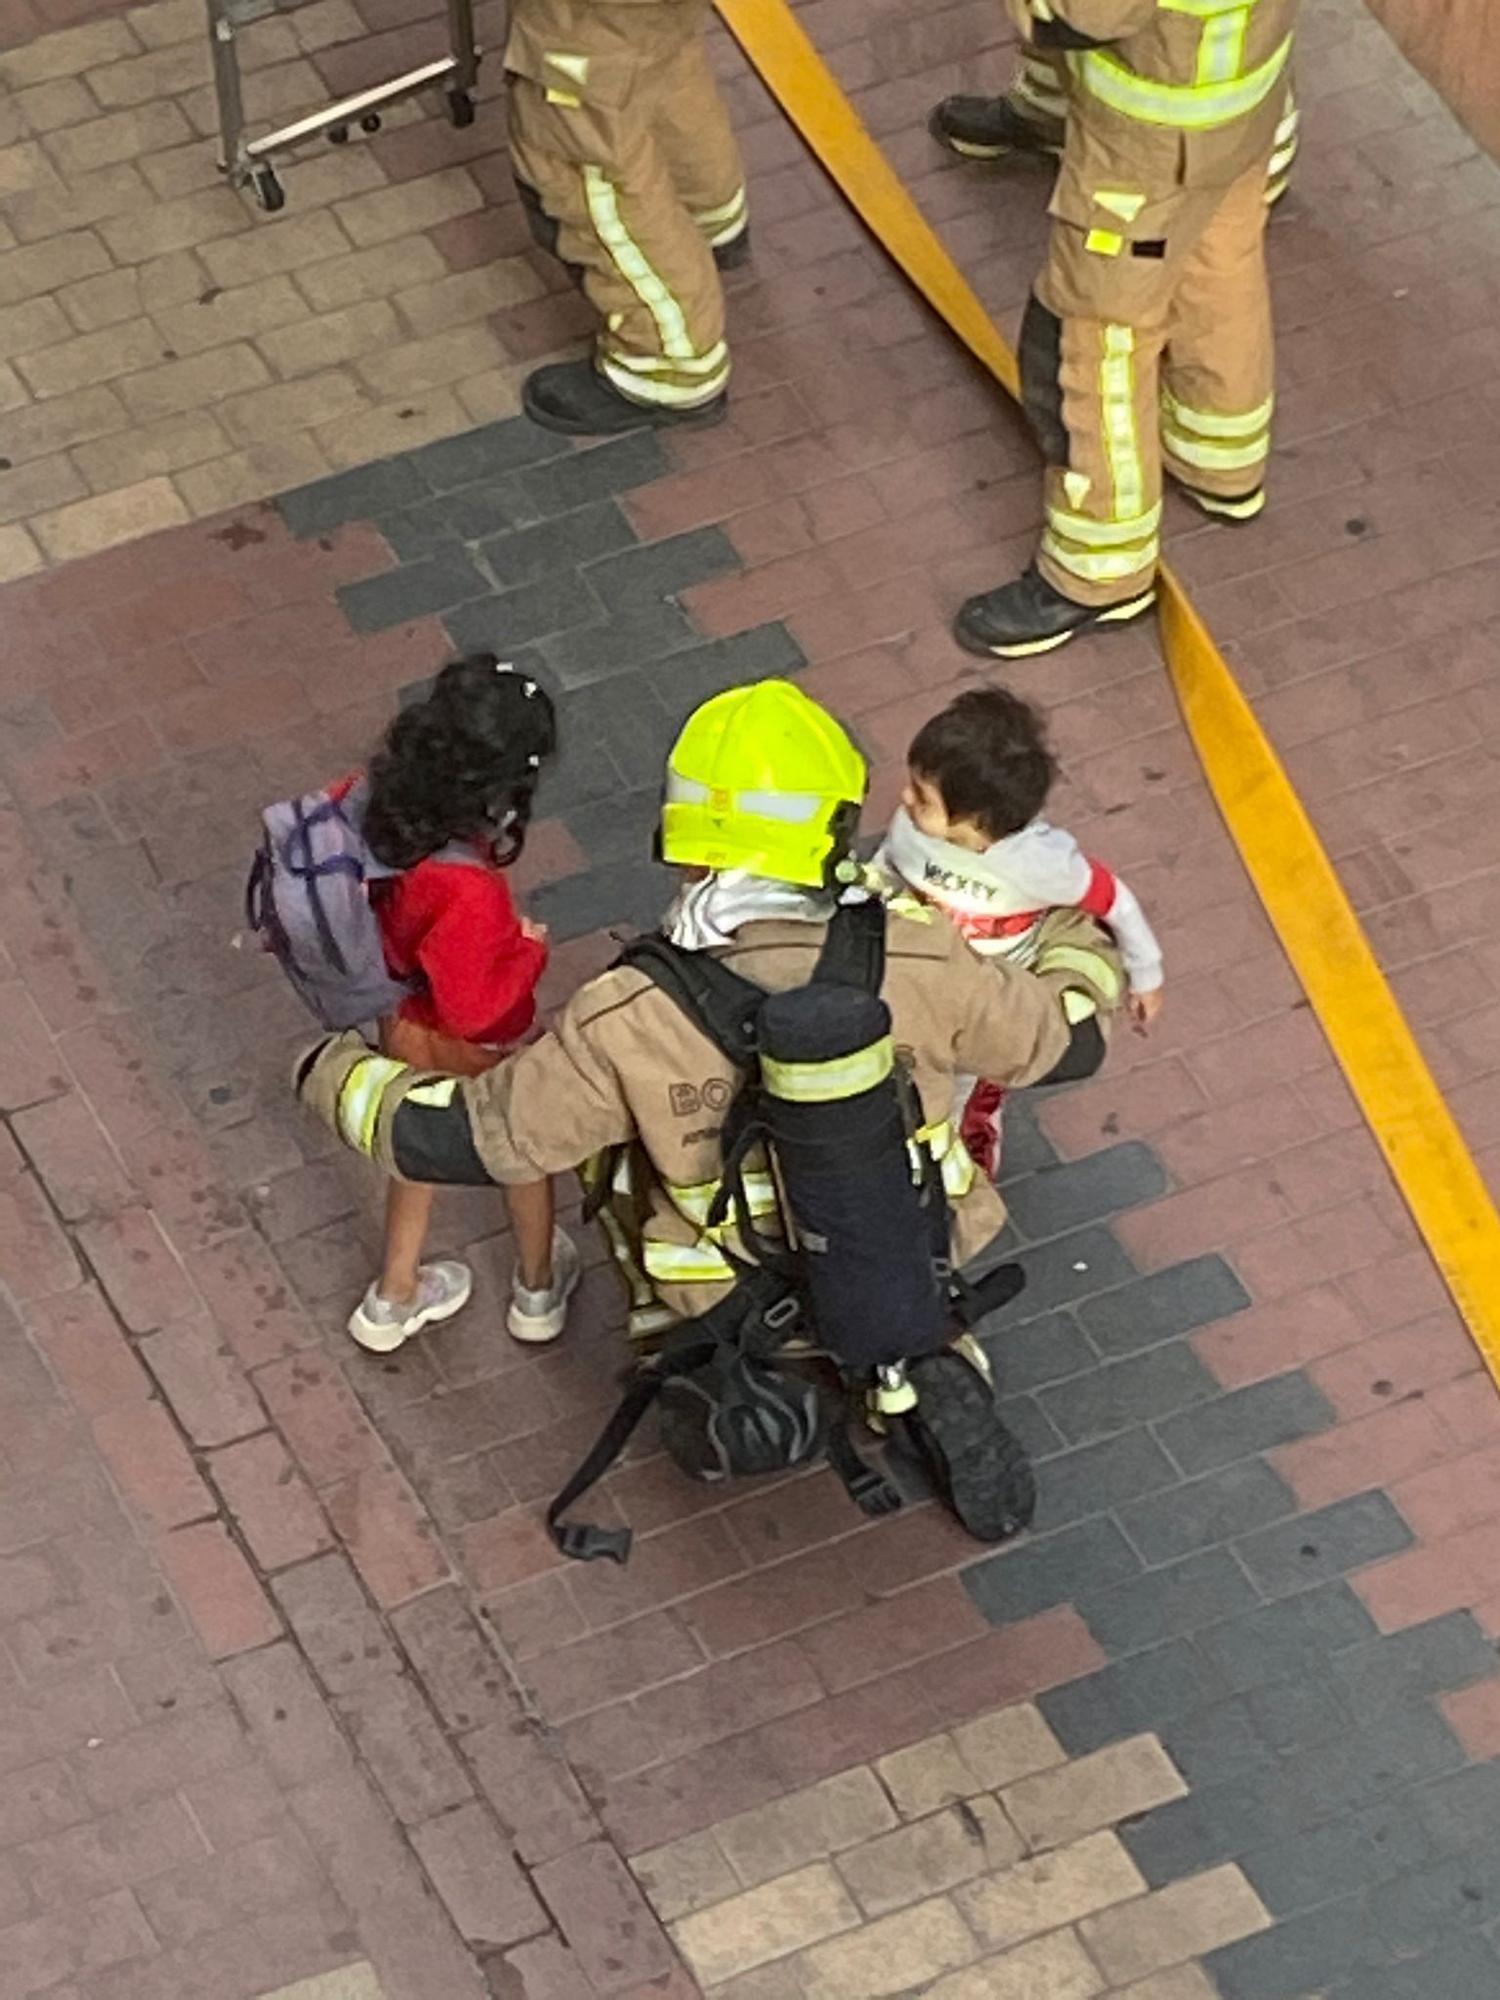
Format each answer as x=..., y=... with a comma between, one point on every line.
x=415, y=590
x=1185, y=1596
x=1406, y=1746
x=1038, y=1351
x=525, y=554
x=362, y=495
x=1462, y=1967
x=649, y=638
x=1290, y=1639
x=629, y=898
x=1215, y=1824
x=615, y=466
x=1069, y=1268
x=1216, y=1508
x=637, y=740
x=1051, y=1570
x=1218, y=1745
x=453, y=518
x=1245, y=1422
x=1139, y=1389
x=706, y=669
x=1297, y=1713
x=582, y=771
x=506, y=446
x=1027, y=1148
x=650, y=571
x=1299, y=1956
x=1447, y=1652
x=1097, y=1478
x=1147, y=1691
x=1460, y=1892
x=1461, y=1810
x=1330, y=1542
x=420, y=531
x=1064, y=1196
x=1027, y=1420
x=618, y=828
x=1324, y=1863
x=1163, y=1305
x=523, y=616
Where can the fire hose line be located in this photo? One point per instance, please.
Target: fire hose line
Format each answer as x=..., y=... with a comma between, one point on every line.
x=1296, y=882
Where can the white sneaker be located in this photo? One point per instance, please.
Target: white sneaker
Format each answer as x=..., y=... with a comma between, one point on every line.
x=537, y=1317
x=382, y=1325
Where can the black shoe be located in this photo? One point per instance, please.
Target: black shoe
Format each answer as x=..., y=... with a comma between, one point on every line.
x=989, y=128
x=732, y=255
x=1241, y=508
x=573, y=397
x=1029, y=616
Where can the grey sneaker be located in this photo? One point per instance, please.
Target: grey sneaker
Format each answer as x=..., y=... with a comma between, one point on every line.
x=537, y=1317
x=382, y=1325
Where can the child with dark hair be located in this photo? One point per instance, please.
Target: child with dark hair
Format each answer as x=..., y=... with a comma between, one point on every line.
x=970, y=837
x=449, y=798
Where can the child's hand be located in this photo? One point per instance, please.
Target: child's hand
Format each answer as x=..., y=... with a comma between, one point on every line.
x=1144, y=1008
x=538, y=933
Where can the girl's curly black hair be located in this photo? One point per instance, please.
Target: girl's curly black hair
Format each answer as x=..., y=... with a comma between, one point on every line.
x=461, y=765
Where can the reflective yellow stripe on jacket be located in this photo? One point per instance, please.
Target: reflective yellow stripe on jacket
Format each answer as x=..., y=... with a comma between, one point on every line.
x=1187, y=106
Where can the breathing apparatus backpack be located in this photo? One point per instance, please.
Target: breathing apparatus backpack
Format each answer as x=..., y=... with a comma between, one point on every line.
x=862, y=1273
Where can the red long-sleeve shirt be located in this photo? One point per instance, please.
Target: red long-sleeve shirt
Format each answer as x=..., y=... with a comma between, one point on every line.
x=458, y=927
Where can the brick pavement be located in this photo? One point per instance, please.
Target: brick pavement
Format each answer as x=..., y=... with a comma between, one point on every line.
x=1248, y=1656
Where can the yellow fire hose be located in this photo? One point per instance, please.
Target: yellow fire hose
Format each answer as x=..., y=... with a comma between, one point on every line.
x=1292, y=874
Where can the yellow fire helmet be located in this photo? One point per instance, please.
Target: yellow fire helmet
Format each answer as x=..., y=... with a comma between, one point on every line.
x=762, y=778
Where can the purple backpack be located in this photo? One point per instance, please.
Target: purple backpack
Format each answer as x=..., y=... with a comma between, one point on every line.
x=308, y=900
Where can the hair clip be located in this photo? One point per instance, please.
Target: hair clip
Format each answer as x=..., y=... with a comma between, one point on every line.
x=534, y=762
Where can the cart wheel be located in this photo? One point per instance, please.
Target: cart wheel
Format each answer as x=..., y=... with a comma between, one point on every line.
x=268, y=190
x=460, y=108
x=370, y=122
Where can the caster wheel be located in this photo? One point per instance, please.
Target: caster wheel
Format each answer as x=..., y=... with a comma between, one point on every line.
x=370, y=122
x=268, y=190
x=460, y=108
x=338, y=135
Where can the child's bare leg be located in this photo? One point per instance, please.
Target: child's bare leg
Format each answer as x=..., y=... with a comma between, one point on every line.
x=532, y=1216
x=408, y=1212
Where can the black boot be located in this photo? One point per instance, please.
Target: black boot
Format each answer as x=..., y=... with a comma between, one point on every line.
x=573, y=397
x=736, y=252
x=990, y=128
x=1029, y=616
x=1241, y=508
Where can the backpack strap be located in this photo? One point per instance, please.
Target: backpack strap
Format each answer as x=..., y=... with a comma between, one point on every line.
x=853, y=952
x=721, y=1003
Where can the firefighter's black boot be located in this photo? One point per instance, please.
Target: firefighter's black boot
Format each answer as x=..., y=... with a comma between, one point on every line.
x=990, y=128
x=573, y=397
x=1240, y=508
x=731, y=256
x=1029, y=616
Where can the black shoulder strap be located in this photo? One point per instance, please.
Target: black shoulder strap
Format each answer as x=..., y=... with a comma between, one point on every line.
x=853, y=953
x=723, y=1005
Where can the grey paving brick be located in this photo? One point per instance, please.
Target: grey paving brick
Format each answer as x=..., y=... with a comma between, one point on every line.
x=1447, y=1652
x=525, y=554
x=1037, y=1352
x=1215, y=1824
x=1096, y=1478
x=506, y=446
x=1163, y=1305
x=612, y=467
x=1461, y=1967
x=1029, y=1422
x=618, y=828
x=521, y=617
x=708, y=668
x=1404, y=1747
x=1321, y=1864
x=637, y=738
x=1053, y=1569
x=1297, y=1712
x=1185, y=1596
x=654, y=570
x=648, y=637
x=1245, y=1422
x=1330, y=1542
x=1026, y=1146
x=1298, y=1957
x=1146, y=1691
x=1216, y=1745
x=1213, y=1509
x=1288, y=1640
x=1462, y=1810
x=628, y=897
x=1069, y=1268
x=1460, y=1892
x=420, y=531
x=582, y=771
x=471, y=514
x=1138, y=1389
x=1060, y=1197
x=415, y=590
x=361, y=495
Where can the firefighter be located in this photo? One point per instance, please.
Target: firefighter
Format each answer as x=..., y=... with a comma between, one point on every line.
x=1146, y=344
x=629, y=172
x=762, y=802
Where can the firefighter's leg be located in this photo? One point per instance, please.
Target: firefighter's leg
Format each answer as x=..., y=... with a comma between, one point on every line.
x=1218, y=372
x=702, y=154
x=585, y=85
x=1027, y=119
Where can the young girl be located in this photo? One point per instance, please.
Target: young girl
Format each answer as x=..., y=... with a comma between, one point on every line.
x=969, y=837
x=450, y=795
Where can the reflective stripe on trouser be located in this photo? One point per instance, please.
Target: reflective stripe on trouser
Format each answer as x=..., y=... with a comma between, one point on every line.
x=1105, y=333
x=1288, y=136
x=1038, y=92
x=618, y=128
